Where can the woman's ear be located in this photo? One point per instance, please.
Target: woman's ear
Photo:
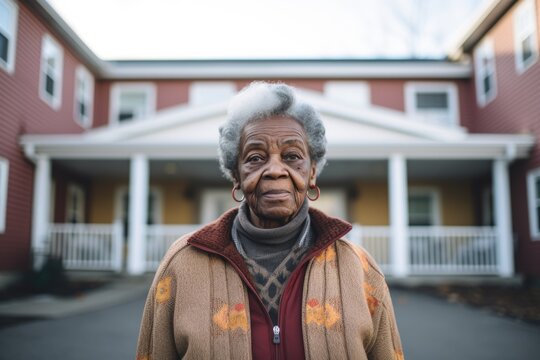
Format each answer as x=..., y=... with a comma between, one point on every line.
x=313, y=175
x=236, y=182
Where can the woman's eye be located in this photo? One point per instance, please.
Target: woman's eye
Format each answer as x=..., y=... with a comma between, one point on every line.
x=255, y=158
x=292, y=157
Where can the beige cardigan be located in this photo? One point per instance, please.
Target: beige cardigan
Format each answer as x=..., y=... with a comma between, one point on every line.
x=198, y=308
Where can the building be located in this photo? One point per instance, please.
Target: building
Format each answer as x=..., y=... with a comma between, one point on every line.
x=106, y=163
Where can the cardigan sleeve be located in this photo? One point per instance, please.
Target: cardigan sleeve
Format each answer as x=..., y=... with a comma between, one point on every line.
x=386, y=343
x=156, y=336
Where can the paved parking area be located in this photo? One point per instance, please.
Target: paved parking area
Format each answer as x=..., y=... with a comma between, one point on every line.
x=430, y=329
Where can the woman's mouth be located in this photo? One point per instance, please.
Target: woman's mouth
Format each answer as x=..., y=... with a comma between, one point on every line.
x=276, y=194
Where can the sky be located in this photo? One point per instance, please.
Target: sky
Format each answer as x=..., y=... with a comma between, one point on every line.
x=255, y=29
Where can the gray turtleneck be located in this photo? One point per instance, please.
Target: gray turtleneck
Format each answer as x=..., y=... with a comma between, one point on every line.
x=272, y=254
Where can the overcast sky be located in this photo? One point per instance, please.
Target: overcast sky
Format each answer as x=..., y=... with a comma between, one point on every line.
x=224, y=29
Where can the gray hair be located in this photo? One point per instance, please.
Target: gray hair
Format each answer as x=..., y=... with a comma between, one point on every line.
x=261, y=100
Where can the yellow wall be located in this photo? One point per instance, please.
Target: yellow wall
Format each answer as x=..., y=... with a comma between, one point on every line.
x=102, y=200
x=370, y=207
x=176, y=207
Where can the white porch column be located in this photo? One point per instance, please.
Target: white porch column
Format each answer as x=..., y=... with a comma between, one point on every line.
x=503, y=218
x=41, y=206
x=138, y=208
x=397, y=190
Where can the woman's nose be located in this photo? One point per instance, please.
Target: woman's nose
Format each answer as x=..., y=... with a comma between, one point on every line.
x=275, y=168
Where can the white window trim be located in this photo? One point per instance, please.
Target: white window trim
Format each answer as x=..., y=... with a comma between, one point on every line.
x=9, y=66
x=56, y=101
x=118, y=88
x=526, y=7
x=531, y=199
x=123, y=190
x=82, y=72
x=485, y=48
x=412, y=88
x=333, y=90
x=200, y=87
x=209, y=201
x=435, y=196
x=4, y=178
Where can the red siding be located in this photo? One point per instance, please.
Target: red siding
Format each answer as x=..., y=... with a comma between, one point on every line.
x=23, y=112
x=172, y=93
x=515, y=109
x=388, y=93
x=101, y=103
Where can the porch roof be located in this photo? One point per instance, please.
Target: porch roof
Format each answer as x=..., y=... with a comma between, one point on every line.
x=191, y=132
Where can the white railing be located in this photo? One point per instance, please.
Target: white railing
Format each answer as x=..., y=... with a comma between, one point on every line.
x=376, y=241
x=159, y=238
x=87, y=246
x=453, y=250
x=433, y=250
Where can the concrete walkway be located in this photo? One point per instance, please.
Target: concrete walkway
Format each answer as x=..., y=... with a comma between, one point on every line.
x=431, y=329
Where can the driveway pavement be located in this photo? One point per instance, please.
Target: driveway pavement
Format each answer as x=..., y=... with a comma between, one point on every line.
x=431, y=329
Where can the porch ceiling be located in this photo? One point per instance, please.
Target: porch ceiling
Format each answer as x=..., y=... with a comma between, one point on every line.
x=335, y=172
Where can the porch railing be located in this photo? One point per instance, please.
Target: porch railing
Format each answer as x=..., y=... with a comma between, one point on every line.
x=160, y=238
x=376, y=241
x=434, y=250
x=453, y=250
x=87, y=246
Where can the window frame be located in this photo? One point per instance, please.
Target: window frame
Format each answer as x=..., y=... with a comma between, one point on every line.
x=9, y=65
x=533, y=201
x=342, y=91
x=485, y=50
x=4, y=179
x=82, y=73
x=433, y=116
x=525, y=8
x=116, y=91
x=49, y=44
x=434, y=194
x=225, y=89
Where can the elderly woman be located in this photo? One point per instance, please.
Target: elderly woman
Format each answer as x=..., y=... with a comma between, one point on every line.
x=273, y=278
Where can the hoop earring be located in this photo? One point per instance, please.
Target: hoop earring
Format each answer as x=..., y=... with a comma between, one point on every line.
x=310, y=195
x=234, y=195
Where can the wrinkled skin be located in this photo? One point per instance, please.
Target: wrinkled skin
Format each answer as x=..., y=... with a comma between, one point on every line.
x=274, y=170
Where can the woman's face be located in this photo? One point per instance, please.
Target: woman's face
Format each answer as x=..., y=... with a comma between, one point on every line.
x=274, y=170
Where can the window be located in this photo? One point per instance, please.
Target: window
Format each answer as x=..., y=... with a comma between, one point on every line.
x=4, y=169
x=525, y=38
x=432, y=102
x=533, y=192
x=132, y=101
x=485, y=79
x=84, y=96
x=355, y=93
x=203, y=93
x=52, y=60
x=424, y=207
x=8, y=32
x=75, y=204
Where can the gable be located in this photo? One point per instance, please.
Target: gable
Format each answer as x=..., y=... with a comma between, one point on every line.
x=344, y=125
